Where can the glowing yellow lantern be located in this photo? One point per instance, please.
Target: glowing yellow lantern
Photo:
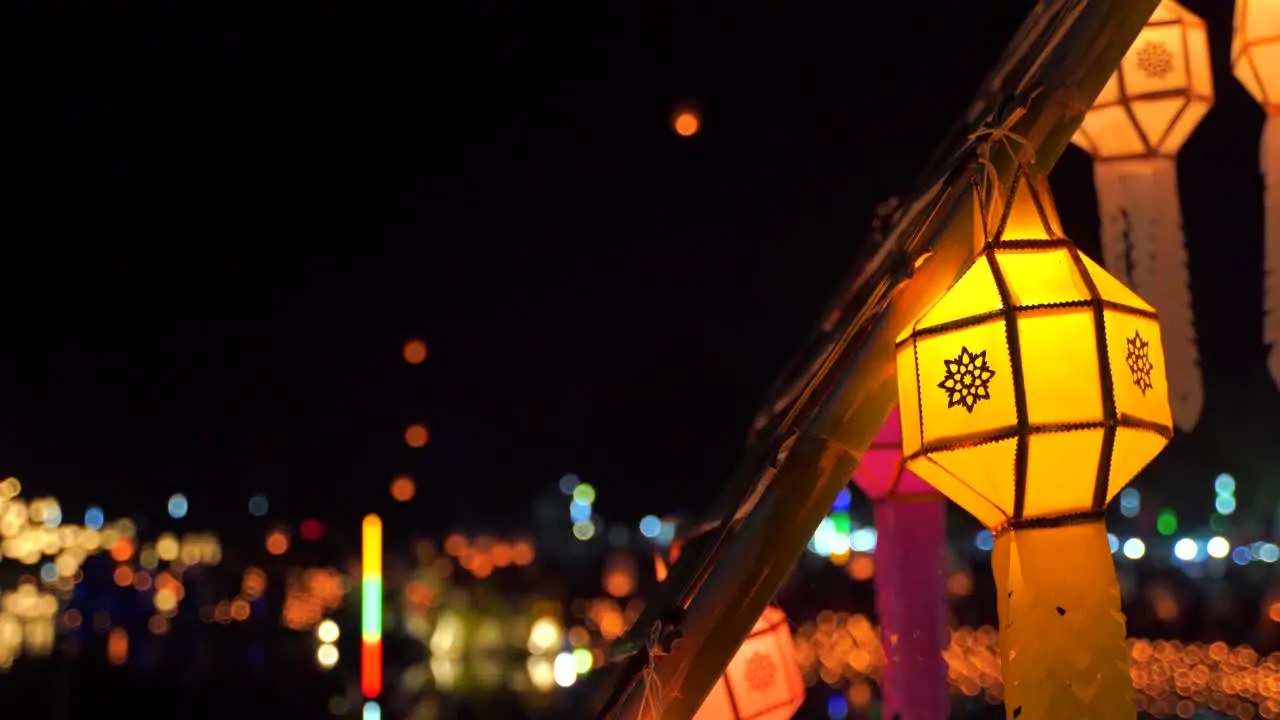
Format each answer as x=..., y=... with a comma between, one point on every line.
x=1148, y=109
x=1255, y=58
x=763, y=680
x=1030, y=394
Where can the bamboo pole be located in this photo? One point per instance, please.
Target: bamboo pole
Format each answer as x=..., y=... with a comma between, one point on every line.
x=1065, y=51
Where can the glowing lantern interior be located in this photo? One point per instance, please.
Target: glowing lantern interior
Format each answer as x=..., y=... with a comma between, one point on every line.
x=1035, y=387
x=763, y=680
x=1161, y=91
x=881, y=472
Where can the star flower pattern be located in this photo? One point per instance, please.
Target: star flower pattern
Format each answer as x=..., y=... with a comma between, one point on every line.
x=1155, y=60
x=762, y=672
x=967, y=379
x=1138, y=358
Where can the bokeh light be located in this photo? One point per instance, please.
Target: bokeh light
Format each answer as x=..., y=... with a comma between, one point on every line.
x=277, y=542
x=416, y=435
x=686, y=123
x=403, y=488
x=258, y=505
x=328, y=631
x=414, y=351
x=94, y=517
x=650, y=526
x=311, y=529
x=177, y=506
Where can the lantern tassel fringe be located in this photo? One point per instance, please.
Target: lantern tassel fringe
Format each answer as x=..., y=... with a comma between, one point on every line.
x=1270, y=162
x=1143, y=245
x=1062, y=634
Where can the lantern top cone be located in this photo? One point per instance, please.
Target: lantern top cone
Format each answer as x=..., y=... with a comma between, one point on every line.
x=1255, y=51
x=881, y=473
x=1034, y=389
x=1159, y=94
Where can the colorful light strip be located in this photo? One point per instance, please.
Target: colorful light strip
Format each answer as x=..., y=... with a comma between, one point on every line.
x=371, y=608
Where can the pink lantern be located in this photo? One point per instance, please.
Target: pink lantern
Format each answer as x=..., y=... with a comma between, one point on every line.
x=911, y=586
x=881, y=475
x=763, y=681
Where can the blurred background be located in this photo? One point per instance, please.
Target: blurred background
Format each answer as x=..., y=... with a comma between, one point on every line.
x=515, y=280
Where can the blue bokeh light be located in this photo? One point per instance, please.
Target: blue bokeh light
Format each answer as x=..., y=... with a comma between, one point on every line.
x=579, y=512
x=843, y=500
x=650, y=526
x=178, y=506
x=258, y=505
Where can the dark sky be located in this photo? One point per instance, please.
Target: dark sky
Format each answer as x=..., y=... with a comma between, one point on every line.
x=220, y=228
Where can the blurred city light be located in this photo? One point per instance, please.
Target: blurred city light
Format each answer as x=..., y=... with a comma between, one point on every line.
x=568, y=482
x=1186, y=549
x=650, y=526
x=258, y=505
x=177, y=506
x=1134, y=548
x=1218, y=547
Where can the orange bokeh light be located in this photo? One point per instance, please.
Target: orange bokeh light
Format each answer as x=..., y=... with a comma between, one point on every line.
x=686, y=123
x=415, y=352
x=522, y=553
x=455, y=544
x=277, y=542
x=122, y=550
x=403, y=488
x=416, y=435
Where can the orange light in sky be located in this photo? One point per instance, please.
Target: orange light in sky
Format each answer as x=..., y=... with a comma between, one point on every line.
x=415, y=352
x=686, y=123
x=416, y=435
x=277, y=542
x=403, y=488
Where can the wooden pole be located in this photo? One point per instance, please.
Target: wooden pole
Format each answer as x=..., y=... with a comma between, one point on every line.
x=1060, y=58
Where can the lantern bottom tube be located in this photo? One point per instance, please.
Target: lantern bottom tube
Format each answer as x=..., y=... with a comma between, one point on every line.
x=911, y=599
x=1062, y=634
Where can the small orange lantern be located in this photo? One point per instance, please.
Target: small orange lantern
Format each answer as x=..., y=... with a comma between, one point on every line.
x=763, y=680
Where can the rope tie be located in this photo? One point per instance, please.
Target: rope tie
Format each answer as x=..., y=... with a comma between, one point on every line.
x=652, y=698
x=998, y=130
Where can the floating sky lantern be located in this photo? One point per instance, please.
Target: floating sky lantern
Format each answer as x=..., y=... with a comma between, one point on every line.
x=1031, y=393
x=686, y=122
x=1148, y=109
x=911, y=590
x=763, y=680
x=1255, y=59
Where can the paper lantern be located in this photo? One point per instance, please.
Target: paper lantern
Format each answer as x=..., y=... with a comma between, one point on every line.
x=763, y=680
x=881, y=473
x=911, y=589
x=1030, y=394
x=1146, y=111
x=1255, y=59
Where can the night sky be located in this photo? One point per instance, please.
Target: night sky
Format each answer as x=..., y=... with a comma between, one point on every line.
x=219, y=230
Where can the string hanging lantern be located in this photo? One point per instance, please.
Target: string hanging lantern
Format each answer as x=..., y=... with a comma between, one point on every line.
x=1030, y=394
x=763, y=680
x=1145, y=113
x=1255, y=59
x=911, y=591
